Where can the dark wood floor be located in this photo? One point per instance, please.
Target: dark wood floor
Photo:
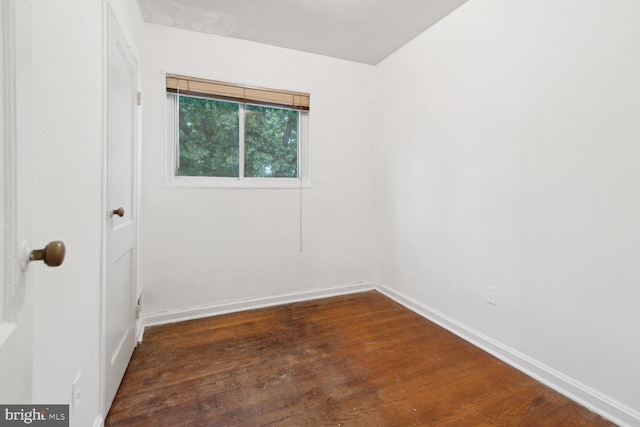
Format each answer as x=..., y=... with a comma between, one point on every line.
x=355, y=360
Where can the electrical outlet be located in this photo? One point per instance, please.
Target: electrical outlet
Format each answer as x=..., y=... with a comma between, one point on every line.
x=75, y=393
x=491, y=295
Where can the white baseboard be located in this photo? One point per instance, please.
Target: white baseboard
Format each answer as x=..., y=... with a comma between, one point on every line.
x=139, y=330
x=574, y=390
x=197, y=312
x=99, y=421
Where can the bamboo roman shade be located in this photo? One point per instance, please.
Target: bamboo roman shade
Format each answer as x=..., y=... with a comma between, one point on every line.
x=229, y=91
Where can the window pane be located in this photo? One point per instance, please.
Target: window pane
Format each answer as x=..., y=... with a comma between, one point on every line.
x=271, y=142
x=208, y=137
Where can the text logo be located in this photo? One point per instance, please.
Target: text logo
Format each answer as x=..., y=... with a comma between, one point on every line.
x=34, y=415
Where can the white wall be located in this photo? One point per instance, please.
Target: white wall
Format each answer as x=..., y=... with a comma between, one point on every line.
x=509, y=156
x=209, y=246
x=129, y=18
x=67, y=113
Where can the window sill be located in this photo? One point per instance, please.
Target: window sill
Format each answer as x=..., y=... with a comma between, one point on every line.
x=186, y=182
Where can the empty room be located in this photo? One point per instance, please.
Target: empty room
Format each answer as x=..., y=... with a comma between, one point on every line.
x=299, y=213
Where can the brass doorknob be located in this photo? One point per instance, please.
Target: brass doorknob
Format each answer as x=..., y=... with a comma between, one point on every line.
x=119, y=212
x=52, y=254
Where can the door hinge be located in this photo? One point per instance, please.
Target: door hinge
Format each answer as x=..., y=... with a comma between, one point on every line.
x=138, y=308
x=139, y=98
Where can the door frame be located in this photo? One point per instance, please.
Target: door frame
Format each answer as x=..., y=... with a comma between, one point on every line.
x=16, y=312
x=8, y=159
x=107, y=11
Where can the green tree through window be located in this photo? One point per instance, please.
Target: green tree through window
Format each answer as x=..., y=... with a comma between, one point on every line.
x=271, y=142
x=208, y=135
x=211, y=135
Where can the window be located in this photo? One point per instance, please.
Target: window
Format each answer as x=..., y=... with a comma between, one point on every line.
x=225, y=135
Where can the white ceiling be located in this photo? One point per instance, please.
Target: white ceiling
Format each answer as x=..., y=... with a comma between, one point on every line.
x=364, y=31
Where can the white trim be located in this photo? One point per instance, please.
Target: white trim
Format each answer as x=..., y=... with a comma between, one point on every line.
x=197, y=182
x=102, y=356
x=207, y=310
x=6, y=108
x=8, y=124
x=574, y=390
x=6, y=329
x=139, y=330
x=99, y=421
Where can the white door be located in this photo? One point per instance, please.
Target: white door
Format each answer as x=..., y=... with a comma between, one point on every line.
x=16, y=291
x=120, y=285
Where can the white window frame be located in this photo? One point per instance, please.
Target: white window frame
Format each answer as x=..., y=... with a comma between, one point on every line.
x=174, y=181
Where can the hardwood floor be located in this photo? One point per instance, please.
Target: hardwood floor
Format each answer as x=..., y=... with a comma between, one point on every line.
x=355, y=360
